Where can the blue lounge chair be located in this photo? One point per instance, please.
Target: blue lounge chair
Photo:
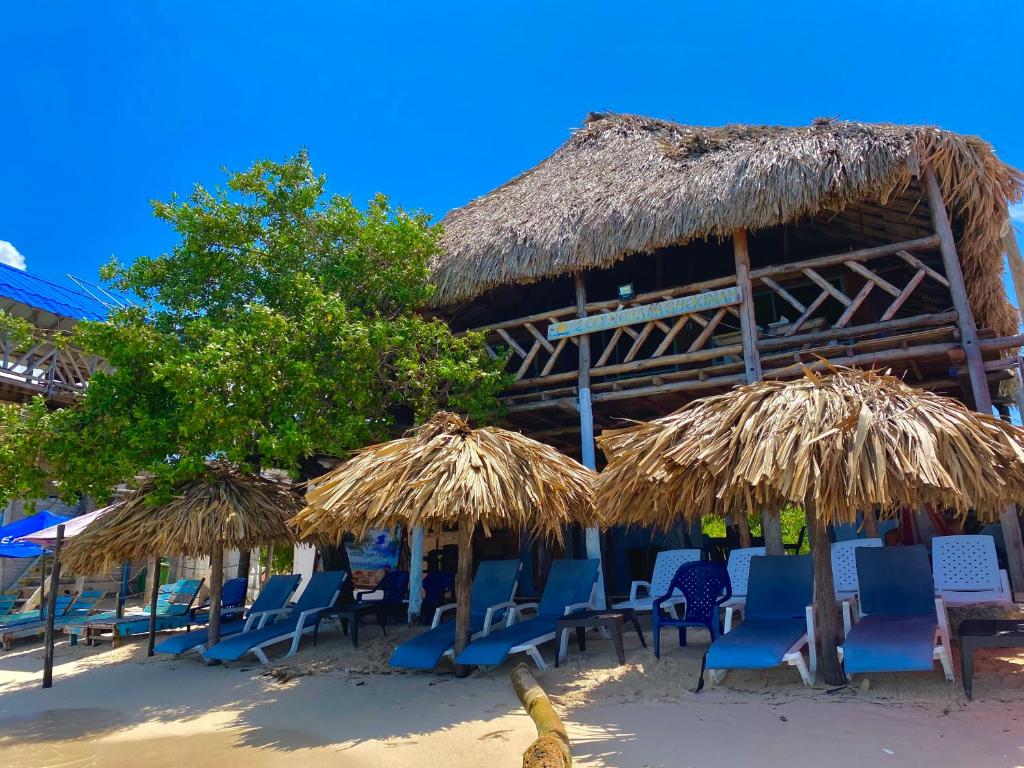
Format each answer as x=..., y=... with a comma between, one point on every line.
x=272, y=597
x=39, y=614
x=569, y=588
x=778, y=620
x=232, y=602
x=81, y=605
x=493, y=589
x=289, y=623
x=704, y=587
x=904, y=626
x=7, y=605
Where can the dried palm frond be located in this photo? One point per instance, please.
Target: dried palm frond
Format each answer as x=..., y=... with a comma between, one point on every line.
x=222, y=508
x=848, y=440
x=445, y=472
x=626, y=184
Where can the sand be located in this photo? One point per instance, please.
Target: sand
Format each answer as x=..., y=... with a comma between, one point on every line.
x=335, y=705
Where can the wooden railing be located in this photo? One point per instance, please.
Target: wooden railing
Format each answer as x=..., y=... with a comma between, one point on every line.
x=704, y=348
x=45, y=368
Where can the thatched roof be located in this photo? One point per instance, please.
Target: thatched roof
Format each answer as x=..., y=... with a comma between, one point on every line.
x=851, y=440
x=445, y=472
x=223, y=508
x=624, y=184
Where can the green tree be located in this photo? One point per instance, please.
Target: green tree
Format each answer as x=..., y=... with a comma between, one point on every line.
x=285, y=323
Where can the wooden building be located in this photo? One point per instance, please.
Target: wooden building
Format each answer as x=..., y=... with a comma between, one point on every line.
x=646, y=263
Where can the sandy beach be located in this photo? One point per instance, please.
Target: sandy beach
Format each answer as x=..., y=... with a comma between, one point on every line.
x=335, y=705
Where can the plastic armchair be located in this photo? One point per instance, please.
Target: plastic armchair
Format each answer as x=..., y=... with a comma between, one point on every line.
x=705, y=586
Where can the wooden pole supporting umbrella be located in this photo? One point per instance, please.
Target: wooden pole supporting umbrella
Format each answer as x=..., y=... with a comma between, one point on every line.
x=444, y=473
x=834, y=444
x=221, y=508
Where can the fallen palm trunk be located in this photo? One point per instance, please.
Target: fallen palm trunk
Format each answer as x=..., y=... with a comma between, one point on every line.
x=551, y=748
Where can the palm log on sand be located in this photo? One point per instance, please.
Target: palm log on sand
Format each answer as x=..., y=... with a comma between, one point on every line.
x=551, y=748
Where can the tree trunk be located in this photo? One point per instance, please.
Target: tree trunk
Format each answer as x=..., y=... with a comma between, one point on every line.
x=463, y=587
x=51, y=607
x=743, y=528
x=552, y=748
x=825, y=597
x=771, y=529
x=870, y=523
x=216, y=580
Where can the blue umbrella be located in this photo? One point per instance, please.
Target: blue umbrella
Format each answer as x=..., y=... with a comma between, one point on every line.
x=10, y=547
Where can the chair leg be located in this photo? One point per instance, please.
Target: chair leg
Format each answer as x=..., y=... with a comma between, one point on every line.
x=534, y=653
x=656, y=631
x=682, y=637
x=639, y=631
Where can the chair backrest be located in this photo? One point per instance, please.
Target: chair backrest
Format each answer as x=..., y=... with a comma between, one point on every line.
x=394, y=585
x=84, y=603
x=495, y=582
x=844, y=562
x=177, y=596
x=569, y=582
x=846, y=531
x=275, y=592
x=320, y=591
x=232, y=592
x=965, y=563
x=667, y=565
x=7, y=604
x=739, y=568
x=780, y=587
x=705, y=586
x=895, y=580
x=437, y=584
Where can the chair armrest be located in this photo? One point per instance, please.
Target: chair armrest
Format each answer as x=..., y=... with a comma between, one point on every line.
x=1004, y=580
x=634, y=589
x=847, y=617
x=517, y=612
x=812, y=648
x=573, y=607
x=440, y=611
x=510, y=606
x=263, y=616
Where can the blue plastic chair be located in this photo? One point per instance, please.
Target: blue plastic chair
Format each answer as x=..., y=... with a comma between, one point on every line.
x=569, y=587
x=394, y=586
x=319, y=594
x=272, y=597
x=705, y=586
x=904, y=626
x=438, y=589
x=777, y=622
x=493, y=589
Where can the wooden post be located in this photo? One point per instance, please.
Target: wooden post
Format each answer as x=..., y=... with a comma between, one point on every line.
x=154, y=594
x=1008, y=519
x=51, y=607
x=1016, y=263
x=870, y=523
x=771, y=525
x=827, y=619
x=463, y=588
x=123, y=594
x=216, y=582
x=592, y=535
x=416, y=574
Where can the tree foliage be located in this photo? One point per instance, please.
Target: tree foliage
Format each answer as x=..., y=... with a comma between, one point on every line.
x=284, y=323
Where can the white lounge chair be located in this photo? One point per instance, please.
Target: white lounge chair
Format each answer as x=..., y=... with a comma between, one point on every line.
x=966, y=571
x=739, y=574
x=665, y=567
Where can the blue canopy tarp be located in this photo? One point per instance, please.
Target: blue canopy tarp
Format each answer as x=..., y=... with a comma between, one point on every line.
x=10, y=547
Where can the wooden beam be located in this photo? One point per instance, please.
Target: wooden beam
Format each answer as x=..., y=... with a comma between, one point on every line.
x=1013, y=258
x=748, y=324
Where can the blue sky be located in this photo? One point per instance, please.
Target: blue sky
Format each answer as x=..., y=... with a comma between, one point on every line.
x=108, y=105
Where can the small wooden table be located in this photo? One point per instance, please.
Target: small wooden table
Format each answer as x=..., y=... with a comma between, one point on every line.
x=986, y=633
x=350, y=615
x=613, y=619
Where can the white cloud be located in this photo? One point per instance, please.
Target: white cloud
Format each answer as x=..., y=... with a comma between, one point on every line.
x=1017, y=213
x=12, y=257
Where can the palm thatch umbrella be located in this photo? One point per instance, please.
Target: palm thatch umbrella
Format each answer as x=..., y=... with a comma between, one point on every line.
x=833, y=444
x=445, y=473
x=222, y=508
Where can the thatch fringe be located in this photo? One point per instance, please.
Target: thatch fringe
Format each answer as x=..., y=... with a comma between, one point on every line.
x=222, y=508
x=445, y=472
x=625, y=184
x=849, y=440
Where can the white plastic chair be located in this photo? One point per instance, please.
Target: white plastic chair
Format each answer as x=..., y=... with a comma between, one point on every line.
x=738, y=567
x=844, y=573
x=966, y=571
x=665, y=567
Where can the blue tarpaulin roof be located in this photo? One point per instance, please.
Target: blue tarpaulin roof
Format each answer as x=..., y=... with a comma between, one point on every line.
x=27, y=525
x=62, y=300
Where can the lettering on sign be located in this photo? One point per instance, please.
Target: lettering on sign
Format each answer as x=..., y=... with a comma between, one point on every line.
x=644, y=313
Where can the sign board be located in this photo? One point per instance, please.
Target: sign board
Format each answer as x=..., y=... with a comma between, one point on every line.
x=645, y=313
x=376, y=553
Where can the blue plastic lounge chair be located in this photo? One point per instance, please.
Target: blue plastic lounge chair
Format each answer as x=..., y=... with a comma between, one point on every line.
x=704, y=586
x=778, y=620
x=272, y=597
x=81, y=605
x=665, y=567
x=232, y=599
x=904, y=627
x=738, y=566
x=569, y=588
x=174, y=609
x=844, y=574
x=493, y=589
x=289, y=623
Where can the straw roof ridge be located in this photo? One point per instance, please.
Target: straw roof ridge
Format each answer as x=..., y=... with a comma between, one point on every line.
x=445, y=472
x=848, y=440
x=624, y=184
x=221, y=507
